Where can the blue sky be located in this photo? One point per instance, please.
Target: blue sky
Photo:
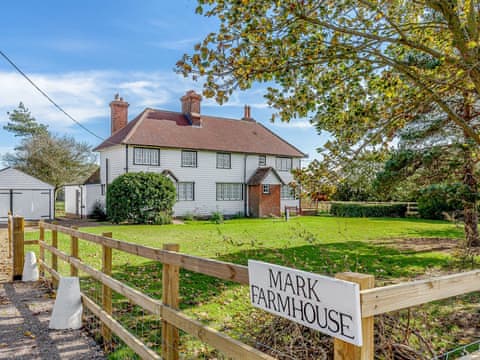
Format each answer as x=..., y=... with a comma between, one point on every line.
x=82, y=53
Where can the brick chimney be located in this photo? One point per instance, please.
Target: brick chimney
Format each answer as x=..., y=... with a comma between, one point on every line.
x=119, y=113
x=191, y=107
x=246, y=113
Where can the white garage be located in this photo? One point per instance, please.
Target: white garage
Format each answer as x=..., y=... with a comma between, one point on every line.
x=26, y=196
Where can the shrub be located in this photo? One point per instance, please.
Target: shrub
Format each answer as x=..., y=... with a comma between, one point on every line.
x=98, y=212
x=435, y=200
x=189, y=216
x=368, y=210
x=163, y=218
x=216, y=217
x=140, y=198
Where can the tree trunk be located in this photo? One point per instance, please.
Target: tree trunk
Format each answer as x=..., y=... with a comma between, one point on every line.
x=470, y=201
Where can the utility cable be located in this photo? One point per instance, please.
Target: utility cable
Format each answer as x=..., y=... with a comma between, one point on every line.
x=48, y=97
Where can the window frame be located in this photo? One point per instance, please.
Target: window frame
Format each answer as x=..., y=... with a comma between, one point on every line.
x=266, y=189
x=192, y=183
x=278, y=160
x=229, y=160
x=191, y=152
x=143, y=148
x=293, y=195
x=260, y=162
x=223, y=198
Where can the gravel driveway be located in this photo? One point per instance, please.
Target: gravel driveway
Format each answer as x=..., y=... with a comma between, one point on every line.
x=25, y=310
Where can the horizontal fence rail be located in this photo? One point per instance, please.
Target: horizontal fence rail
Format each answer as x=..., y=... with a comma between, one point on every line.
x=381, y=300
x=218, y=269
x=227, y=271
x=374, y=300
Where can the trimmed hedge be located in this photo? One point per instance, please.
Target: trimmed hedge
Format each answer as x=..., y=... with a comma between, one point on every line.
x=367, y=210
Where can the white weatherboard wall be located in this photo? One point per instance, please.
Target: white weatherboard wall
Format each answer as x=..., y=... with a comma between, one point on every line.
x=205, y=176
x=25, y=195
x=88, y=195
x=71, y=198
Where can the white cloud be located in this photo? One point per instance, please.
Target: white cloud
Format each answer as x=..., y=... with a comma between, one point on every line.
x=180, y=44
x=86, y=95
x=298, y=124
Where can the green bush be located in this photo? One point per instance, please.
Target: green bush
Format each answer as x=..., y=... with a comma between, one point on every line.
x=216, y=217
x=367, y=210
x=98, y=212
x=435, y=200
x=140, y=198
x=163, y=218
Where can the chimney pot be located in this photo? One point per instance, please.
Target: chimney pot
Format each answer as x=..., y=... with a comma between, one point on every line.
x=247, y=113
x=118, y=113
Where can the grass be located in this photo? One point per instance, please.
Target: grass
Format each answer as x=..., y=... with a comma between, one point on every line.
x=324, y=245
x=59, y=208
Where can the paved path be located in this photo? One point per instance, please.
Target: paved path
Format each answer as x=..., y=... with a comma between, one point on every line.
x=5, y=260
x=25, y=310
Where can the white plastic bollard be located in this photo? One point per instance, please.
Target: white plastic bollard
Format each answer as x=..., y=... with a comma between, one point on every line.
x=30, y=267
x=67, y=310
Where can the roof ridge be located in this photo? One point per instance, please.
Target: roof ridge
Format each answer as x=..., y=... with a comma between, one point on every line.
x=140, y=118
x=206, y=115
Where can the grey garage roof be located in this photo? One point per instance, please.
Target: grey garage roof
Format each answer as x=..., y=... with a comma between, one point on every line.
x=11, y=178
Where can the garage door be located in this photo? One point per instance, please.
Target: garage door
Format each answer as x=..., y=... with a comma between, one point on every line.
x=30, y=204
x=4, y=204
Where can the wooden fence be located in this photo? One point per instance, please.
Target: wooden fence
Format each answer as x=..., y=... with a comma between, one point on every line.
x=374, y=300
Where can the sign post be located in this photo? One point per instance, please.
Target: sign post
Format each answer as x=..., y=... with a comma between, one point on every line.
x=329, y=305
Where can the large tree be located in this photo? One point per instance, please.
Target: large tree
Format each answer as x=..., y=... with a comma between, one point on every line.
x=57, y=160
x=360, y=69
x=22, y=123
x=435, y=151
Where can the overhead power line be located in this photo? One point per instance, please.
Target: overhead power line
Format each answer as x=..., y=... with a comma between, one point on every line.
x=48, y=97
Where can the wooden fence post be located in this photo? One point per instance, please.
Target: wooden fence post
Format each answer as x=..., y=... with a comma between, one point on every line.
x=74, y=252
x=106, y=291
x=42, y=250
x=54, y=257
x=10, y=234
x=170, y=297
x=346, y=351
x=18, y=247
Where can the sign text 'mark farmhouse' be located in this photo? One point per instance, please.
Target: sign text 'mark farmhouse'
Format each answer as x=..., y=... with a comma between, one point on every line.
x=322, y=303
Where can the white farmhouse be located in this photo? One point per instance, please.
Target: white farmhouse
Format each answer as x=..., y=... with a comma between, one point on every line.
x=218, y=164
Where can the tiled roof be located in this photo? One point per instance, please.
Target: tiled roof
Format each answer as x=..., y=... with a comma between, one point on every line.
x=173, y=130
x=261, y=173
x=94, y=178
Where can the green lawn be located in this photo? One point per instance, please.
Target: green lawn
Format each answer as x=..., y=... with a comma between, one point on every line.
x=324, y=245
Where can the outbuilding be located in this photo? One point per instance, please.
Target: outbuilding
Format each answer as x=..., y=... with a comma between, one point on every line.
x=81, y=199
x=26, y=196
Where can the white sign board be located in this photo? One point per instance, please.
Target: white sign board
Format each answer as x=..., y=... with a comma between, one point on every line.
x=326, y=304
